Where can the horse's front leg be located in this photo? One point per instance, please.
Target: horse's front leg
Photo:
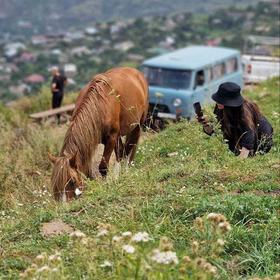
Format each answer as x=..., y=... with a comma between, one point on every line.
x=110, y=143
x=89, y=171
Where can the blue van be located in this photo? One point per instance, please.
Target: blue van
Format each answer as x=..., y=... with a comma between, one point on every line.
x=183, y=77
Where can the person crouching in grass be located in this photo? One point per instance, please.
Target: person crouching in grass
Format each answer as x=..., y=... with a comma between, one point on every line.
x=244, y=127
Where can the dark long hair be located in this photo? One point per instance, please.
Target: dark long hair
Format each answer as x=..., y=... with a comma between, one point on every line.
x=237, y=120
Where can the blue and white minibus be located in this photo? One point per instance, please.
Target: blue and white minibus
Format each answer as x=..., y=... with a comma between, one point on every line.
x=185, y=76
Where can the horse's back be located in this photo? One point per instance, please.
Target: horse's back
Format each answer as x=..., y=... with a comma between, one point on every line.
x=127, y=102
x=126, y=76
x=132, y=88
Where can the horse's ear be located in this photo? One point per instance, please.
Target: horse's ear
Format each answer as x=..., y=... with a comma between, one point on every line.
x=73, y=161
x=52, y=158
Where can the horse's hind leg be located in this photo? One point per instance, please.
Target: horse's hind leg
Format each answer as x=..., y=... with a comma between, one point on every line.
x=131, y=143
x=110, y=143
x=119, y=149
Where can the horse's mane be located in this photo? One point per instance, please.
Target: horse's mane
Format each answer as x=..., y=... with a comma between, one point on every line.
x=83, y=134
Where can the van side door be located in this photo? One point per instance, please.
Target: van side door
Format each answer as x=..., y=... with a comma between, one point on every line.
x=217, y=76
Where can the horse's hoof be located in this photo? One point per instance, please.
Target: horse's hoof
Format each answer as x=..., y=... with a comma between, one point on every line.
x=103, y=172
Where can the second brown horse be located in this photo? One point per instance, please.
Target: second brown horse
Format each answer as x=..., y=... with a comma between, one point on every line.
x=112, y=105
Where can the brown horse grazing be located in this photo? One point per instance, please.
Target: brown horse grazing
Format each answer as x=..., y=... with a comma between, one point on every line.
x=112, y=105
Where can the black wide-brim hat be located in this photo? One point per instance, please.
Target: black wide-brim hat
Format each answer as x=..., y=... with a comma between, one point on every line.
x=228, y=94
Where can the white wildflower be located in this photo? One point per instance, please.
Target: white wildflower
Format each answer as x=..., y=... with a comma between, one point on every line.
x=106, y=264
x=128, y=249
x=40, y=258
x=167, y=257
x=212, y=216
x=213, y=270
x=77, y=234
x=141, y=237
x=224, y=226
x=221, y=242
x=43, y=268
x=172, y=154
x=55, y=257
x=102, y=232
x=116, y=238
x=84, y=241
x=127, y=234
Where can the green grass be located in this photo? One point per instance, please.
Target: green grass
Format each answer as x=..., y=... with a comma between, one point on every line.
x=160, y=194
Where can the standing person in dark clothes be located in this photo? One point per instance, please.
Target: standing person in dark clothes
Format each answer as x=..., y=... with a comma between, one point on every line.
x=246, y=130
x=57, y=88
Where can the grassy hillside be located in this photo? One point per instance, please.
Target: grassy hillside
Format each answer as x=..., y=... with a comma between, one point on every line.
x=179, y=175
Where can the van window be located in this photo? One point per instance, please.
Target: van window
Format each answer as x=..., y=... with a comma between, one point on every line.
x=219, y=70
x=231, y=65
x=168, y=78
x=209, y=74
x=199, y=78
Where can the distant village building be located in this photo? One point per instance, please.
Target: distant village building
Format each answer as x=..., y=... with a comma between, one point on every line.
x=124, y=46
x=38, y=40
x=91, y=31
x=55, y=37
x=10, y=53
x=117, y=27
x=74, y=36
x=9, y=68
x=262, y=28
x=135, y=57
x=274, y=3
x=80, y=51
x=70, y=70
x=5, y=77
x=12, y=49
x=167, y=43
x=55, y=16
x=26, y=57
x=170, y=24
x=16, y=45
x=24, y=24
x=34, y=79
x=214, y=42
x=56, y=52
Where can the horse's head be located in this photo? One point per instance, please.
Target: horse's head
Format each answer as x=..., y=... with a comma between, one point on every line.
x=66, y=181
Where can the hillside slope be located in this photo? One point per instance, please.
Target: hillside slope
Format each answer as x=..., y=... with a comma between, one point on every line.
x=179, y=175
x=58, y=15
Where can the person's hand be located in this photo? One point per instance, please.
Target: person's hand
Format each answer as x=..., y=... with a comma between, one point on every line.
x=244, y=153
x=203, y=120
x=208, y=129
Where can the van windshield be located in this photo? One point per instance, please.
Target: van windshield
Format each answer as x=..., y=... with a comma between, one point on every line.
x=167, y=78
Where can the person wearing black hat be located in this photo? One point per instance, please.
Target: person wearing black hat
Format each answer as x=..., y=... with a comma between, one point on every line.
x=246, y=130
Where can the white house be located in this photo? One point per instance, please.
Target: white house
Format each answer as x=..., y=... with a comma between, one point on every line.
x=79, y=51
x=70, y=70
x=124, y=46
x=91, y=31
x=12, y=49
